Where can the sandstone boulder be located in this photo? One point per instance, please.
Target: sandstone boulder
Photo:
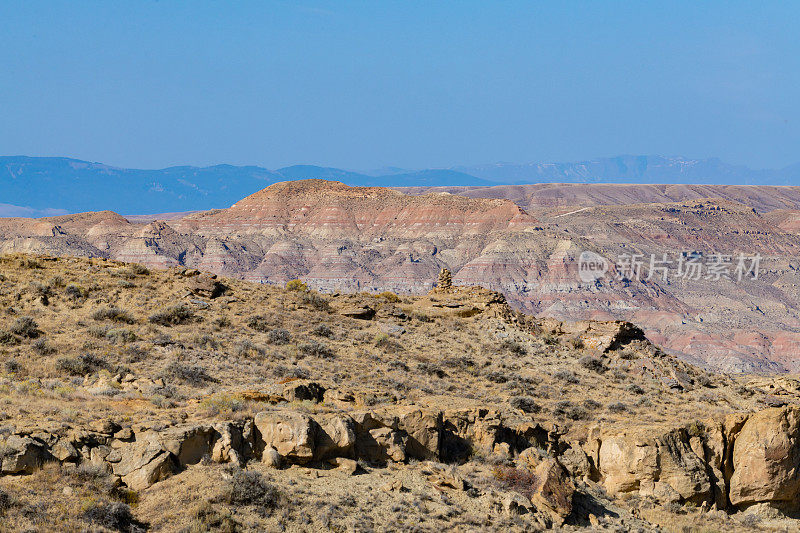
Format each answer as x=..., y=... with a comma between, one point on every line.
x=766, y=459
x=336, y=437
x=235, y=442
x=207, y=286
x=271, y=457
x=189, y=444
x=348, y=466
x=64, y=451
x=553, y=490
x=362, y=313
x=292, y=434
x=635, y=461
x=23, y=455
x=424, y=430
x=144, y=462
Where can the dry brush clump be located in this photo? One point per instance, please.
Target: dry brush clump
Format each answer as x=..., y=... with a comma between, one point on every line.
x=113, y=314
x=173, y=316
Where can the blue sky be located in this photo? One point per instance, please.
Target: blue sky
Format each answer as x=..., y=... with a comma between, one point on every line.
x=414, y=84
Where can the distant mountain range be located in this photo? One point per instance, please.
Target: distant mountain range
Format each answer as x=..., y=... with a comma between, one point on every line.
x=39, y=186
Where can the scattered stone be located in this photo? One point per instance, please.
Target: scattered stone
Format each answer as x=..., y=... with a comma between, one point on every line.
x=271, y=457
x=362, y=313
x=394, y=485
x=349, y=466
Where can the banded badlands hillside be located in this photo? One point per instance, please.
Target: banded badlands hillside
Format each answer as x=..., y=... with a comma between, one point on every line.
x=523, y=241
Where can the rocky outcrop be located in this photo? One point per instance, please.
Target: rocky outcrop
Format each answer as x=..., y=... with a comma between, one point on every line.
x=663, y=466
x=734, y=463
x=737, y=462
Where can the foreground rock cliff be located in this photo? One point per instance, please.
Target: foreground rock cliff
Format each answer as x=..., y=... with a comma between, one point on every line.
x=175, y=400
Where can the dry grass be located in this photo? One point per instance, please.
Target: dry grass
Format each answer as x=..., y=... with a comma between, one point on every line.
x=144, y=351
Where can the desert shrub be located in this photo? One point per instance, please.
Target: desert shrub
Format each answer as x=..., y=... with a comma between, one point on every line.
x=567, y=409
x=592, y=405
x=462, y=363
x=618, y=407
x=246, y=348
x=422, y=317
x=591, y=363
x=134, y=353
x=5, y=502
x=190, y=374
x=633, y=388
x=279, y=337
x=519, y=480
x=208, y=518
x=136, y=269
x=206, y=341
x=80, y=365
x=98, y=332
x=577, y=343
x=513, y=347
x=125, y=284
x=431, y=369
x=316, y=349
x=315, y=300
x=222, y=403
x=398, y=365
x=12, y=366
x=628, y=354
x=258, y=323
x=74, y=292
x=750, y=520
x=42, y=347
x=27, y=262
x=120, y=336
x=695, y=428
x=389, y=296
x=8, y=338
x=114, y=314
x=173, y=316
x=25, y=326
x=41, y=291
x=644, y=401
x=112, y=515
x=550, y=340
x=566, y=375
x=222, y=322
x=281, y=371
x=296, y=285
x=497, y=377
x=246, y=487
x=703, y=381
x=322, y=330
x=525, y=404
x=386, y=343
